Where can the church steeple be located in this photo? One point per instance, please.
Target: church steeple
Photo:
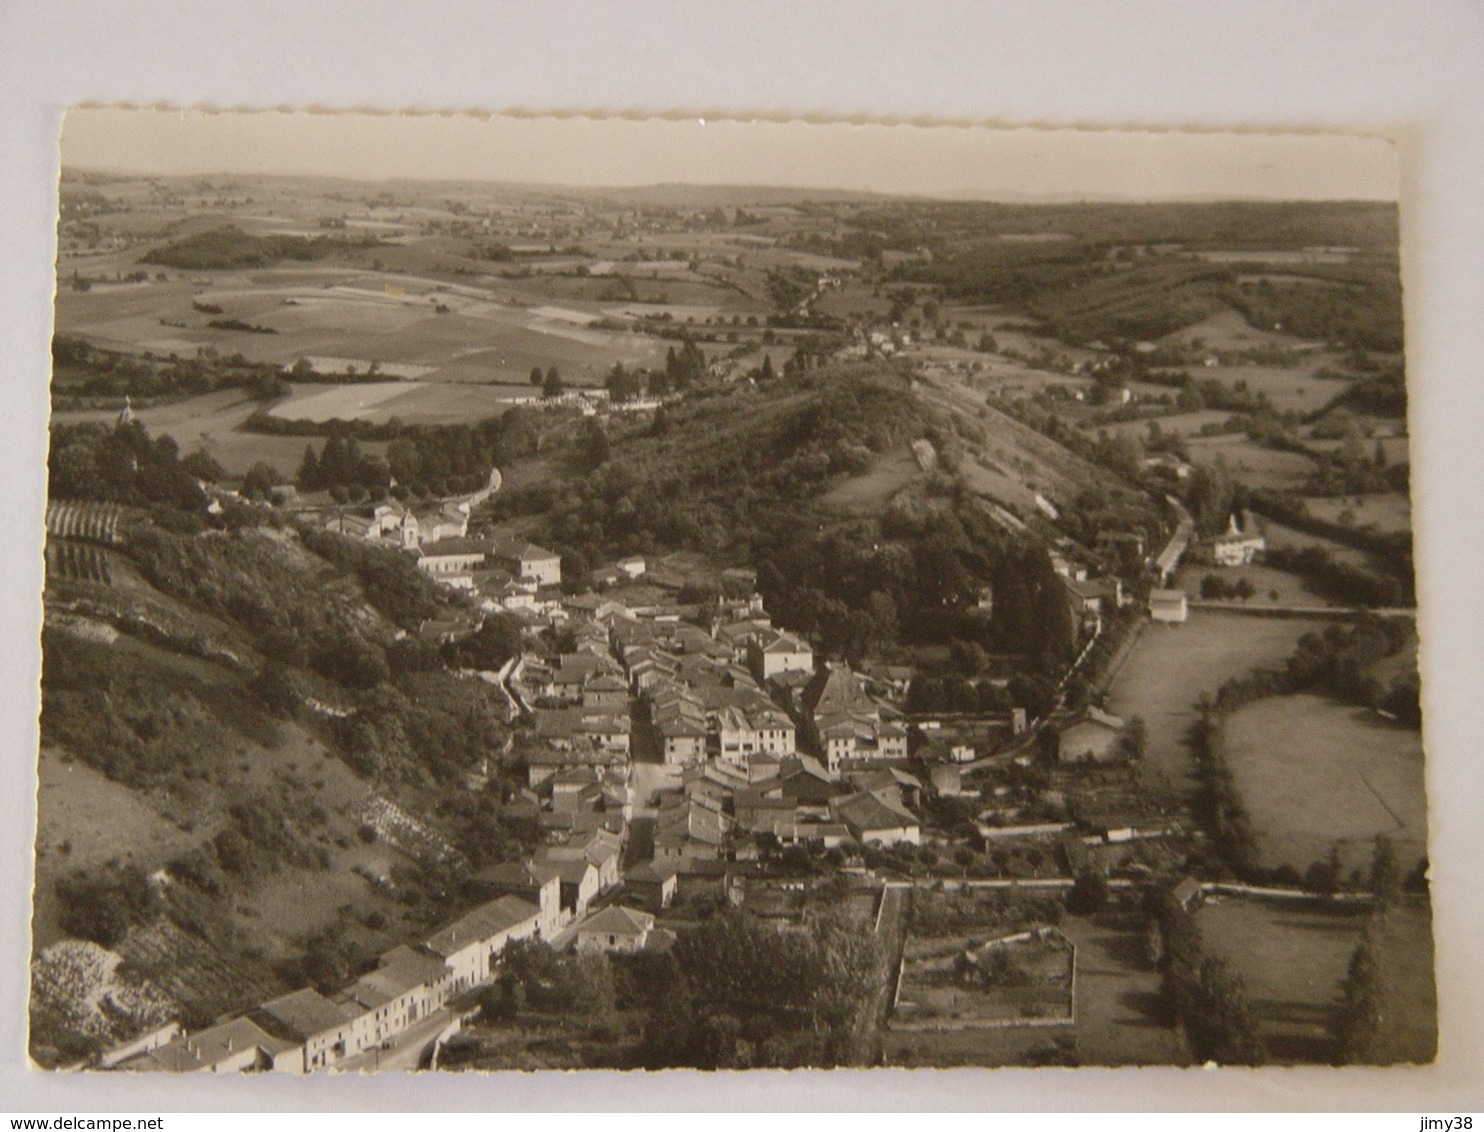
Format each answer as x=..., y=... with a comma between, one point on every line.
x=126, y=416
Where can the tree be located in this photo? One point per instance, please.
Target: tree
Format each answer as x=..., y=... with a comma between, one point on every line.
x=537, y=377
x=1356, y=1024
x=1134, y=741
x=309, y=474
x=1089, y=894
x=203, y=466
x=1221, y=1027
x=1386, y=877
x=260, y=480
x=767, y=372
x=596, y=447
x=552, y=386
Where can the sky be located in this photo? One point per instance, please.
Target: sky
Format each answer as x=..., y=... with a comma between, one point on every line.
x=953, y=161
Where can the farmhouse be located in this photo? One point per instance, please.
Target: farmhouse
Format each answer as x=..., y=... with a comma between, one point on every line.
x=844, y=723
x=399, y=992
x=757, y=728
x=652, y=885
x=527, y=560
x=231, y=1047
x=471, y=943
x=326, y=1032
x=533, y=883
x=579, y=882
x=1168, y=605
x=876, y=820
x=1094, y=597
x=616, y=929
x=450, y=557
x=1093, y=738
x=1240, y=544
x=771, y=652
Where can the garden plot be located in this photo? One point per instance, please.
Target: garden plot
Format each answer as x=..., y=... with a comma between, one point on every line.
x=1023, y=979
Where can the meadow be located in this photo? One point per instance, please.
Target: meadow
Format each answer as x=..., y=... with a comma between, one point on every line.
x=1287, y=751
x=413, y=402
x=1173, y=664
x=1388, y=513
x=1252, y=463
x=1293, y=957
x=212, y=422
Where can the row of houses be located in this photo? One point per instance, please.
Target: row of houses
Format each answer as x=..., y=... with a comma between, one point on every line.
x=537, y=899
x=306, y=1031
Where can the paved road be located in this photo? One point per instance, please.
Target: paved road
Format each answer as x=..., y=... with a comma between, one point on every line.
x=407, y=1048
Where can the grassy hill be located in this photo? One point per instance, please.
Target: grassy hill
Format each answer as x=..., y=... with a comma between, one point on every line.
x=251, y=776
x=809, y=480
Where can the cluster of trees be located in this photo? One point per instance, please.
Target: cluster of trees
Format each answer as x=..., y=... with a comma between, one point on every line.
x=1207, y=999
x=937, y=912
x=1219, y=805
x=102, y=906
x=1390, y=553
x=109, y=709
x=746, y=994
x=393, y=585
x=629, y=384
x=1216, y=588
x=341, y=463
x=1367, y=313
x=931, y=695
x=84, y=374
x=1074, y=285
x=122, y=464
x=1357, y=1023
x=534, y=977
x=424, y=459
x=230, y=247
x=1337, y=662
x=1354, y=468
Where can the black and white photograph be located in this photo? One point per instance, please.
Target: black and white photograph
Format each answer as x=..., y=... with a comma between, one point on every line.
x=532, y=593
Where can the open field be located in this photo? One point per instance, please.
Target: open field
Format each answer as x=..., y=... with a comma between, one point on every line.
x=85, y=820
x=1294, y=957
x=870, y=492
x=1279, y=535
x=1186, y=424
x=936, y=992
x=1387, y=513
x=1287, y=751
x=413, y=402
x=1226, y=329
x=1281, y=258
x=1173, y=664
x=1291, y=589
x=1251, y=463
x=1290, y=388
x=212, y=422
x=380, y=317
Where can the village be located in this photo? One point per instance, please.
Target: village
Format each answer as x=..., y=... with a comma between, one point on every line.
x=678, y=751
x=762, y=566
